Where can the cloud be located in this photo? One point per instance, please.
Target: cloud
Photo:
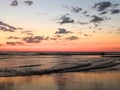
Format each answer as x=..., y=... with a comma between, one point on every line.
x=66, y=7
x=73, y=9
x=96, y=19
x=53, y=38
x=7, y=27
x=33, y=39
x=27, y=32
x=14, y=43
x=87, y=15
x=13, y=37
x=20, y=28
x=46, y=38
x=87, y=35
x=28, y=2
x=104, y=12
x=84, y=12
x=14, y=3
x=62, y=31
x=82, y=23
x=115, y=11
x=56, y=37
x=1, y=45
x=72, y=38
x=65, y=20
x=76, y=9
x=102, y=5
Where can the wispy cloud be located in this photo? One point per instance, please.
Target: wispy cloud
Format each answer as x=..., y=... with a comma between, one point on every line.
x=72, y=38
x=27, y=32
x=13, y=37
x=87, y=35
x=14, y=43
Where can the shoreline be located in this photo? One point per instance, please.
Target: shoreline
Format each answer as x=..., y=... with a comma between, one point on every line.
x=105, y=67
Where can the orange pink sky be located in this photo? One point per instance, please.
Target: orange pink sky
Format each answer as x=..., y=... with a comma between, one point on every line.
x=59, y=25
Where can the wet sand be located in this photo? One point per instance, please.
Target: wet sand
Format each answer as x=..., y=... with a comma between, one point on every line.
x=64, y=81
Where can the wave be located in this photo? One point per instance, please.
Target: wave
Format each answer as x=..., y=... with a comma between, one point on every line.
x=80, y=67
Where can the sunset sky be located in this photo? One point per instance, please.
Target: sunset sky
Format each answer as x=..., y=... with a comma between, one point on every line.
x=59, y=25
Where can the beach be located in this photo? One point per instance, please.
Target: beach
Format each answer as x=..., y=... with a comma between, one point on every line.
x=61, y=71
x=63, y=81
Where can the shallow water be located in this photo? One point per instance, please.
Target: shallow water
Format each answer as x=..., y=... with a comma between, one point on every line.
x=59, y=72
x=64, y=81
x=17, y=65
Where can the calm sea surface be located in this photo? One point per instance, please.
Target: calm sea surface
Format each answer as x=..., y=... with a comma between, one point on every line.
x=63, y=81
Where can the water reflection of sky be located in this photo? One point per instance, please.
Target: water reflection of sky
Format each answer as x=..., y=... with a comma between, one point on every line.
x=66, y=81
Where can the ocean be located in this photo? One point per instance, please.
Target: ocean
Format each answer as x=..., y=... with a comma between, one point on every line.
x=59, y=71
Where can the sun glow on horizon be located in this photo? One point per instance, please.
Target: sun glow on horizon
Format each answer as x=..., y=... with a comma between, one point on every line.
x=60, y=25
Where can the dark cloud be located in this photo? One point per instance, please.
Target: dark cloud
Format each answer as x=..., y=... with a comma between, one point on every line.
x=72, y=38
x=28, y=2
x=14, y=3
x=104, y=12
x=14, y=43
x=102, y=5
x=33, y=39
x=96, y=19
x=84, y=12
x=7, y=27
x=65, y=20
x=115, y=11
x=87, y=15
x=62, y=31
x=13, y=37
x=76, y=9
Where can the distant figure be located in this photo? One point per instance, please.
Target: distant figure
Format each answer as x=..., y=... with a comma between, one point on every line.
x=102, y=54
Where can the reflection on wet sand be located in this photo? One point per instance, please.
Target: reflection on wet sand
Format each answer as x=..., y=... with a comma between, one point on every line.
x=63, y=81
